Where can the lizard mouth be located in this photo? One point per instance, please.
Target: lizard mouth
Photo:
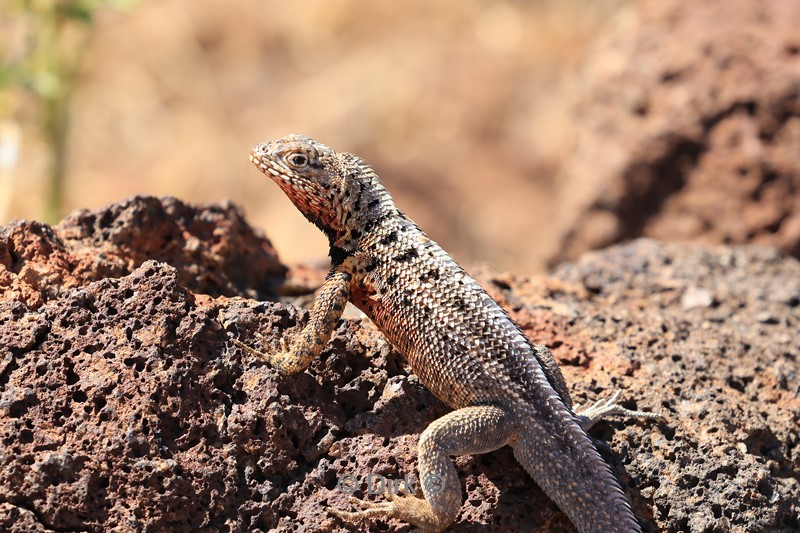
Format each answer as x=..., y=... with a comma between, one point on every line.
x=268, y=168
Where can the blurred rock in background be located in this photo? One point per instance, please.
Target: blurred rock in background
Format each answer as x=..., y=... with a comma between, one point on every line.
x=459, y=106
x=518, y=133
x=687, y=117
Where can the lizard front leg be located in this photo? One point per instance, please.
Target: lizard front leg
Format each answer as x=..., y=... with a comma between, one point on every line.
x=298, y=353
x=466, y=431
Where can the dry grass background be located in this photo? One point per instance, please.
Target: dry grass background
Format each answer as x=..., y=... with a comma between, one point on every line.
x=462, y=107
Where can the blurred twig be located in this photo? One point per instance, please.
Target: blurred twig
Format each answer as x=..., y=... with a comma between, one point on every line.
x=47, y=65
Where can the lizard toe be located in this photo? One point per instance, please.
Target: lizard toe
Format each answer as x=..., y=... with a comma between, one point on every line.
x=367, y=509
x=604, y=408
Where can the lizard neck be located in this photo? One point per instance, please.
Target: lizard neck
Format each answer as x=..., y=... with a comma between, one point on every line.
x=361, y=213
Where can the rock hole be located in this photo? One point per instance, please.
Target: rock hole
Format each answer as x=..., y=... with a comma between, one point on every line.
x=71, y=376
x=17, y=409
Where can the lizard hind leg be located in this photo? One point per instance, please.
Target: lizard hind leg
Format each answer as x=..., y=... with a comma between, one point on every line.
x=466, y=431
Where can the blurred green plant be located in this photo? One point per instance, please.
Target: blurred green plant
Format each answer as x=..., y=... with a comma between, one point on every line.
x=54, y=35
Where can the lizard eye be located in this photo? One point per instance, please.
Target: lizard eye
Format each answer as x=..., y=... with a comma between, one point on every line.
x=297, y=160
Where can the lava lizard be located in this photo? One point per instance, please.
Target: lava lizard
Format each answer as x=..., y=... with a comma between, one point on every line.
x=462, y=345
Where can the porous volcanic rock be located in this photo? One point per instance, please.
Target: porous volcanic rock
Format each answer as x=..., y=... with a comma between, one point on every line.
x=687, y=118
x=215, y=251
x=124, y=407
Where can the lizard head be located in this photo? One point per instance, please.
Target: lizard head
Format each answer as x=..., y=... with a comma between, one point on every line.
x=338, y=192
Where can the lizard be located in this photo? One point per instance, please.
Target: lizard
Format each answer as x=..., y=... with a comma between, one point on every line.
x=462, y=345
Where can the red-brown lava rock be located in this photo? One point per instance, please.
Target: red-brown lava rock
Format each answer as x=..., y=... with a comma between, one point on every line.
x=123, y=406
x=213, y=249
x=688, y=127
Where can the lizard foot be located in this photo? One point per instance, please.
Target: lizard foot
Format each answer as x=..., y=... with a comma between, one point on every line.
x=604, y=408
x=409, y=508
x=275, y=360
x=368, y=509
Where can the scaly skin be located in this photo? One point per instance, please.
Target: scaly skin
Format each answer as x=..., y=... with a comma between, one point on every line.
x=504, y=389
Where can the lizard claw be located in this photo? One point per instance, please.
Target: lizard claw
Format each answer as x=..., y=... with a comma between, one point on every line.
x=409, y=508
x=367, y=509
x=283, y=343
x=275, y=360
x=604, y=408
x=250, y=350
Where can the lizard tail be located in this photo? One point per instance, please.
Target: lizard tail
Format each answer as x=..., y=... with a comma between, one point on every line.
x=571, y=472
